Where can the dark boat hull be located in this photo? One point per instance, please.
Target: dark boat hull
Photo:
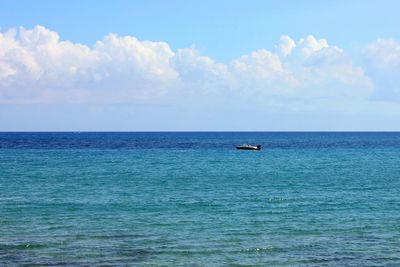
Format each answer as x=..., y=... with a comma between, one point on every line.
x=248, y=148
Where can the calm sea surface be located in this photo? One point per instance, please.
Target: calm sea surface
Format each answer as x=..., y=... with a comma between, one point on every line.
x=192, y=199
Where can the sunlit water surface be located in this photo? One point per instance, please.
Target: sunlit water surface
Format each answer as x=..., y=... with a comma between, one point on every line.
x=192, y=199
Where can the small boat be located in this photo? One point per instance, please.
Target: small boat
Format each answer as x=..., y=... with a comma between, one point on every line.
x=249, y=147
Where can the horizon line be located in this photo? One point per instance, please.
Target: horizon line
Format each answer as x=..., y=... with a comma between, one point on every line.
x=214, y=131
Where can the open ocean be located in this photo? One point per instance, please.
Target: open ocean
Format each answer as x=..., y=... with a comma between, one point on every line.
x=192, y=199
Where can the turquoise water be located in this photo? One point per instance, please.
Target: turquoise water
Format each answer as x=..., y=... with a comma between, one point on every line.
x=192, y=199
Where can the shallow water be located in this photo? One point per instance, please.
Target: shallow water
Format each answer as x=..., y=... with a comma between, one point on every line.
x=192, y=199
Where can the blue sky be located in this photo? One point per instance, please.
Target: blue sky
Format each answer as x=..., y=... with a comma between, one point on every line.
x=210, y=25
x=339, y=71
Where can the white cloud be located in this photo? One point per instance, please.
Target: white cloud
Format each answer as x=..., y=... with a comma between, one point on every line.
x=37, y=61
x=310, y=45
x=330, y=67
x=286, y=46
x=384, y=53
x=6, y=70
x=36, y=65
x=261, y=74
x=144, y=59
x=261, y=63
x=382, y=64
x=310, y=72
x=199, y=72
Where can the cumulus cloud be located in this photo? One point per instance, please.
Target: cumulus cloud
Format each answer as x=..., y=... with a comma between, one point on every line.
x=37, y=61
x=382, y=64
x=36, y=65
x=310, y=45
x=384, y=53
x=146, y=60
x=286, y=46
x=261, y=63
x=198, y=72
x=6, y=70
x=308, y=71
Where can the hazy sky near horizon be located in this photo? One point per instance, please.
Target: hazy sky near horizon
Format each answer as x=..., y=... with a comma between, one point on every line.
x=199, y=65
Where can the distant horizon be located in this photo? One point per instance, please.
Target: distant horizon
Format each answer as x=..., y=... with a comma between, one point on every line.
x=77, y=132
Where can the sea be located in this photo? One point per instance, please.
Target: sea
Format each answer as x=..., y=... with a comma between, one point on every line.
x=193, y=199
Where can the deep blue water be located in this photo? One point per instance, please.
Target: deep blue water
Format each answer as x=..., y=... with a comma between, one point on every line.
x=192, y=199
